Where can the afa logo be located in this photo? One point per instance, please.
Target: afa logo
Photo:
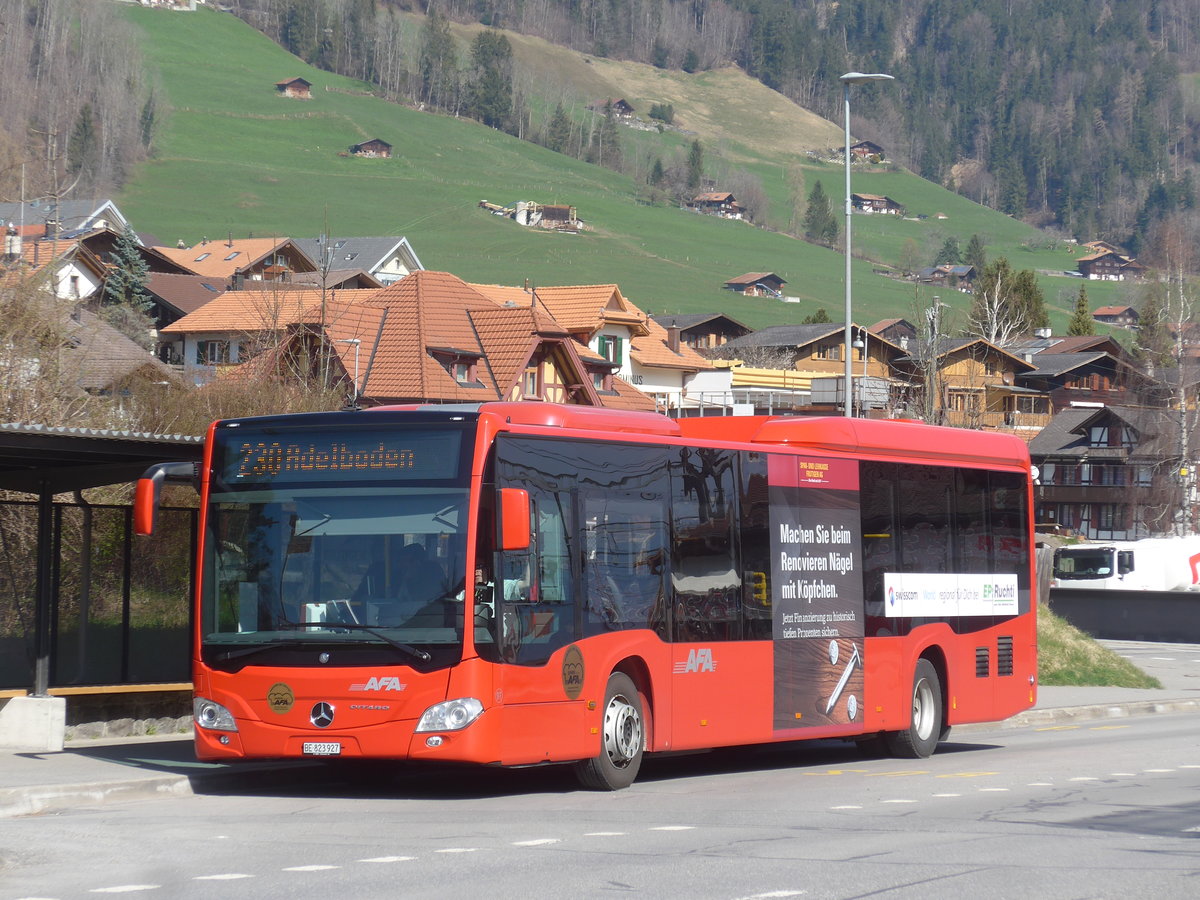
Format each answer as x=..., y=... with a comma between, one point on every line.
x=699, y=660
x=572, y=673
x=280, y=698
x=380, y=683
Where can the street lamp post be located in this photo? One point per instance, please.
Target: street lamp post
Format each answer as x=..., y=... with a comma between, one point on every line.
x=848, y=79
x=356, y=342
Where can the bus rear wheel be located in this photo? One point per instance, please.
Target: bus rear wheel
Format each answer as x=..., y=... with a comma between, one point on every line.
x=623, y=738
x=921, y=737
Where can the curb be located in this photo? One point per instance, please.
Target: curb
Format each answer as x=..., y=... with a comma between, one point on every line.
x=1067, y=715
x=39, y=799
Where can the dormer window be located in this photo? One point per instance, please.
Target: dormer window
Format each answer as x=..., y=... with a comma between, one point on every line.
x=532, y=386
x=610, y=347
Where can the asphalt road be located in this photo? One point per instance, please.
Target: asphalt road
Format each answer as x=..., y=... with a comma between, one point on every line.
x=1106, y=808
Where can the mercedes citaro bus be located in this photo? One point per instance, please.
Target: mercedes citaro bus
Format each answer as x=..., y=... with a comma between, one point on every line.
x=522, y=583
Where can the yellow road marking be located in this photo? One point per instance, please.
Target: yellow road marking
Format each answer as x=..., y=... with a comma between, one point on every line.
x=1059, y=728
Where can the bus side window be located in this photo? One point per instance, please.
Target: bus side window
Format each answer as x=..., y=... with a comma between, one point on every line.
x=706, y=586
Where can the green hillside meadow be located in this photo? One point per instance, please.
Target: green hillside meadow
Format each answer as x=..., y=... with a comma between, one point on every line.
x=233, y=157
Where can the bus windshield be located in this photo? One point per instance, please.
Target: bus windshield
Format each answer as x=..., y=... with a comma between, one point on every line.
x=293, y=560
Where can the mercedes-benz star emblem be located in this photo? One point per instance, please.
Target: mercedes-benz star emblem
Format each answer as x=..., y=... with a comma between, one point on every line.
x=321, y=715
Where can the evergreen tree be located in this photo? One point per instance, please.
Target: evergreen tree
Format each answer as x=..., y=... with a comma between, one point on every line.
x=975, y=254
x=820, y=317
x=558, y=132
x=1030, y=300
x=1082, y=322
x=695, y=166
x=820, y=224
x=657, y=173
x=949, y=255
x=82, y=149
x=605, y=149
x=691, y=61
x=490, y=93
x=437, y=63
x=129, y=274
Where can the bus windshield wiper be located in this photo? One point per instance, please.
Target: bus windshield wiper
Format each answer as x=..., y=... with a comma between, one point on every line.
x=226, y=655
x=371, y=630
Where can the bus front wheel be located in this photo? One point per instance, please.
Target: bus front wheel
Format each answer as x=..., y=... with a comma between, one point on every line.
x=623, y=738
x=921, y=737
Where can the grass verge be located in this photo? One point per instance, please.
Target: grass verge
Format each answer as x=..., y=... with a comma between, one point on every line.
x=1067, y=656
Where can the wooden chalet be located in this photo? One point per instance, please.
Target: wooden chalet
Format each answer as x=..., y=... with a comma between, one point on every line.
x=295, y=88
x=876, y=203
x=1121, y=316
x=757, y=284
x=718, y=203
x=1108, y=265
x=375, y=148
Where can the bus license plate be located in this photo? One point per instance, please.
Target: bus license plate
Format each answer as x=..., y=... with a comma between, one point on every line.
x=319, y=748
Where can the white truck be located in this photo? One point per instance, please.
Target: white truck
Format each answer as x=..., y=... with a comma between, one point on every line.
x=1151, y=564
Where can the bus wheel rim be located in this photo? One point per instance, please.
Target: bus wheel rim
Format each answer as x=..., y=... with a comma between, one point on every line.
x=622, y=731
x=923, y=708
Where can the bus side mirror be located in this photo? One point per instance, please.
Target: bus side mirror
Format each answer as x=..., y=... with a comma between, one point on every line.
x=149, y=490
x=1124, y=562
x=515, y=526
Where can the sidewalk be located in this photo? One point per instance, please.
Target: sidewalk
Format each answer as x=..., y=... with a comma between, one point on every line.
x=92, y=772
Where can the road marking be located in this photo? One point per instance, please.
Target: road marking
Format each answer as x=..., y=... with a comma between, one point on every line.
x=1189, y=767
x=1125, y=774
x=1058, y=728
x=1083, y=778
x=771, y=894
x=947, y=795
x=992, y=790
x=896, y=774
x=606, y=833
x=848, y=806
x=313, y=868
x=125, y=889
x=536, y=842
x=1164, y=658
x=899, y=801
x=967, y=774
x=673, y=828
x=1107, y=727
x=227, y=876
x=387, y=859
x=1158, y=770
x=837, y=772
x=457, y=850
x=1040, y=784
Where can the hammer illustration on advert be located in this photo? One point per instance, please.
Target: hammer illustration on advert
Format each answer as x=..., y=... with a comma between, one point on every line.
x=853, y=661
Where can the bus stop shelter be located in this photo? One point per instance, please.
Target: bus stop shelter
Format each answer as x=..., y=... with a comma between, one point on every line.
x=46, y=461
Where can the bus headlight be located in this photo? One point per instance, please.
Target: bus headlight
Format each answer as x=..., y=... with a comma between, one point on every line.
x=452, y=715
x=212, y=716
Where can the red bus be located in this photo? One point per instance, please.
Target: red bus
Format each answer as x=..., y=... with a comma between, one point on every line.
x=522, y=583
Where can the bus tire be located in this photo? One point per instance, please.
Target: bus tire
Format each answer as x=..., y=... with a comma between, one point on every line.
x=623, y=739
x=921, y=737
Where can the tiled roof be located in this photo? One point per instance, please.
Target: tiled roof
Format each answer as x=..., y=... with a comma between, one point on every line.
x=223, y=259
x=186, y=293
x=1113, y=310
x=652, y=350
x=258, y=310
x=98, y=356
x=580, y=308
x=785, y=335
x=425, y=309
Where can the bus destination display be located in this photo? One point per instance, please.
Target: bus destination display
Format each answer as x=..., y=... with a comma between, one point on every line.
x=257, y=458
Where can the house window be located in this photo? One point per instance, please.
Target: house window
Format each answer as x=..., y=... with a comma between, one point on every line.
x=212, y=353
x=609, y=346
x=533, y=383
x=232, y=255
x=828, y=351
x=1098, y=435
x=1144, y=476
x=1106, y=516
x=464, y=371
